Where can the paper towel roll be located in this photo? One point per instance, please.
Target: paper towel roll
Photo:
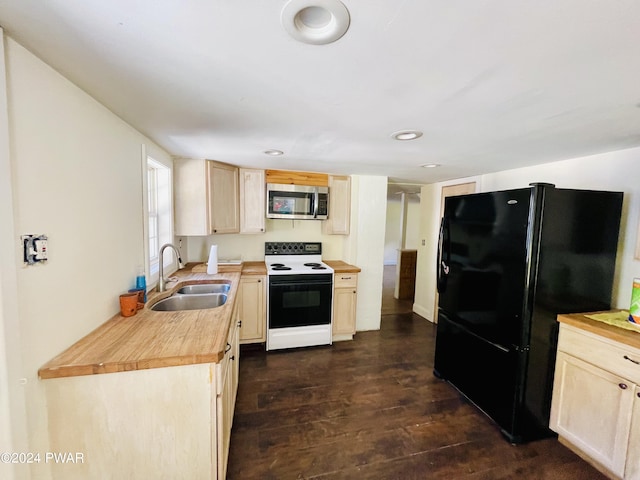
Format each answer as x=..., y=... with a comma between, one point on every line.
x=212, y=264
x=634, y=310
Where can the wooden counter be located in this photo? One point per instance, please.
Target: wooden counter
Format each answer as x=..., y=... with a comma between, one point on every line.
x=578, y=320
x=153, y=339
x=341, y=267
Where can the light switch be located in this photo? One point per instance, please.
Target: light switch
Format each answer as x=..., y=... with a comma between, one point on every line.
x=35, y=248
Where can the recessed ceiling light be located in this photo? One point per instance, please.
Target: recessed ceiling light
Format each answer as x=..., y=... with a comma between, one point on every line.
x=430, y=165
x=274, y=153
x=406, y=135
x=317, y=22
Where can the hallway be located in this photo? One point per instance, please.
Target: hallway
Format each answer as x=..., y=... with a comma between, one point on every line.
x=389, y=304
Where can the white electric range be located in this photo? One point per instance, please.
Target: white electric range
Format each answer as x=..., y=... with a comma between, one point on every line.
x=299, y=299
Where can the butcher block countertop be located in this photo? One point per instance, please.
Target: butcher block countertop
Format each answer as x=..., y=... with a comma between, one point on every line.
x=580, y=320
x=341, y=267
x=151, y=339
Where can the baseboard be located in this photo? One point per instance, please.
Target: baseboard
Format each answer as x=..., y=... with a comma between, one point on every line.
x=423, y=312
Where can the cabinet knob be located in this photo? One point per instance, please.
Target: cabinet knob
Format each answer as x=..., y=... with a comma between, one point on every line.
x=259, y=281
x=233, y=357
x=623, y=386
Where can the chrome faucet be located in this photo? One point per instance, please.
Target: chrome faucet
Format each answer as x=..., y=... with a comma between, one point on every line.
x=161, y=280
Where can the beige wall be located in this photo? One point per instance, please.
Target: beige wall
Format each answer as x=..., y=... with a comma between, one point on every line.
x=251, y=247
x=76, y=173
x=393, y=229
x=618, y=171
x=13, y=428
x=364, y=247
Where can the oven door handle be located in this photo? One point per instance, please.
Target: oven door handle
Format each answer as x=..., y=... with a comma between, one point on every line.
x=297, y=284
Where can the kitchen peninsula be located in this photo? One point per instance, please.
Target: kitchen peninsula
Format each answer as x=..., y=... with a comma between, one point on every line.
x=152, y=395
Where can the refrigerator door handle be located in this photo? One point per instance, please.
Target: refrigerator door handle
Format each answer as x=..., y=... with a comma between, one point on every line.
x=442, y=267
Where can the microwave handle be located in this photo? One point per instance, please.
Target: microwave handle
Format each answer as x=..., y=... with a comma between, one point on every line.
x=315, y=203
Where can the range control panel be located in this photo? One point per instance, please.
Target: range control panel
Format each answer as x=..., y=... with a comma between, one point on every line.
x=292, y=248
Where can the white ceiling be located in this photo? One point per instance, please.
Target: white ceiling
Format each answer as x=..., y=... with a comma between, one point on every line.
x=493, y=84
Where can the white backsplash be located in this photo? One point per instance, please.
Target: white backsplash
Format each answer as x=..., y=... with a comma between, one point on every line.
x=250, y=247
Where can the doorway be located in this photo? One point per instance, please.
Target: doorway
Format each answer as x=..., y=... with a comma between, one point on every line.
x=402, y=233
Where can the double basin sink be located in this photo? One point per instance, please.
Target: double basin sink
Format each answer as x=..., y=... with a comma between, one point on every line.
x=194, y=297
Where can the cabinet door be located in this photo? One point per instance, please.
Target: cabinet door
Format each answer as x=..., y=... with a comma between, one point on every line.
x=339, y=206
x=224, y=418
x=191, y=197
x=253, y=309
x=591, y=408
x=226, y=399
x=223, y=198
x=632, y=469
x=252, y=201
x=344, y=311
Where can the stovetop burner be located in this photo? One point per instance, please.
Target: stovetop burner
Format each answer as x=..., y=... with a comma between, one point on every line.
x=293, y=258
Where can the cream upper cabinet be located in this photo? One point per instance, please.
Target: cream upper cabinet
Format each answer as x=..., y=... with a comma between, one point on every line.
x=253, y=308
x=595, y=408
x=206, y=197
x=224, y=198
x=191, y=197
x=345, y=290
x=252, y=201
x=338, y=222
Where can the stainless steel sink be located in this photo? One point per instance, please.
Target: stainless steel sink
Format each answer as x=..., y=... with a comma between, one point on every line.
x=190, y=302
x=204, y=288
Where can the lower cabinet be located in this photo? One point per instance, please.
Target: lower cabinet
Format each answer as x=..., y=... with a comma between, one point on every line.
x=227, y=375
x=253, y=308
x=173, y=422
x=596, y=401
x=345, y=293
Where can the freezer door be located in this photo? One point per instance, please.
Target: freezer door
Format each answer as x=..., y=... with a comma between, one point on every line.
x=485, y=373
x=484, y=245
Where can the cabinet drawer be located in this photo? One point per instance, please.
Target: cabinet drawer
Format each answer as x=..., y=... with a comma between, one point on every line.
x=607, y=354
x=345, y=280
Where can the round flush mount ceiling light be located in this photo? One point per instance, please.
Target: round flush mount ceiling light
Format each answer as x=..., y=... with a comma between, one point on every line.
x=317, y=22
x=274, y=153
x=406, y=135
x=430, y=165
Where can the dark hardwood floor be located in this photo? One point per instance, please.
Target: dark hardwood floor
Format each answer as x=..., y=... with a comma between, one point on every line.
x=372, y=409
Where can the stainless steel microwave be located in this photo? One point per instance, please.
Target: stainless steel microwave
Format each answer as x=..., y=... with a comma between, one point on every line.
x=297, y=202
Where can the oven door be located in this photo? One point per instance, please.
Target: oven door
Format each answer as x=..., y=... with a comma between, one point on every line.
x=300, y=300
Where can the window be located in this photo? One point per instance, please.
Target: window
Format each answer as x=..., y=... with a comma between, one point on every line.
x=159, y=226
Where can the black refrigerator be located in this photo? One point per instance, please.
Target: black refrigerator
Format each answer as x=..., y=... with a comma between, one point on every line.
x=508, y=263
